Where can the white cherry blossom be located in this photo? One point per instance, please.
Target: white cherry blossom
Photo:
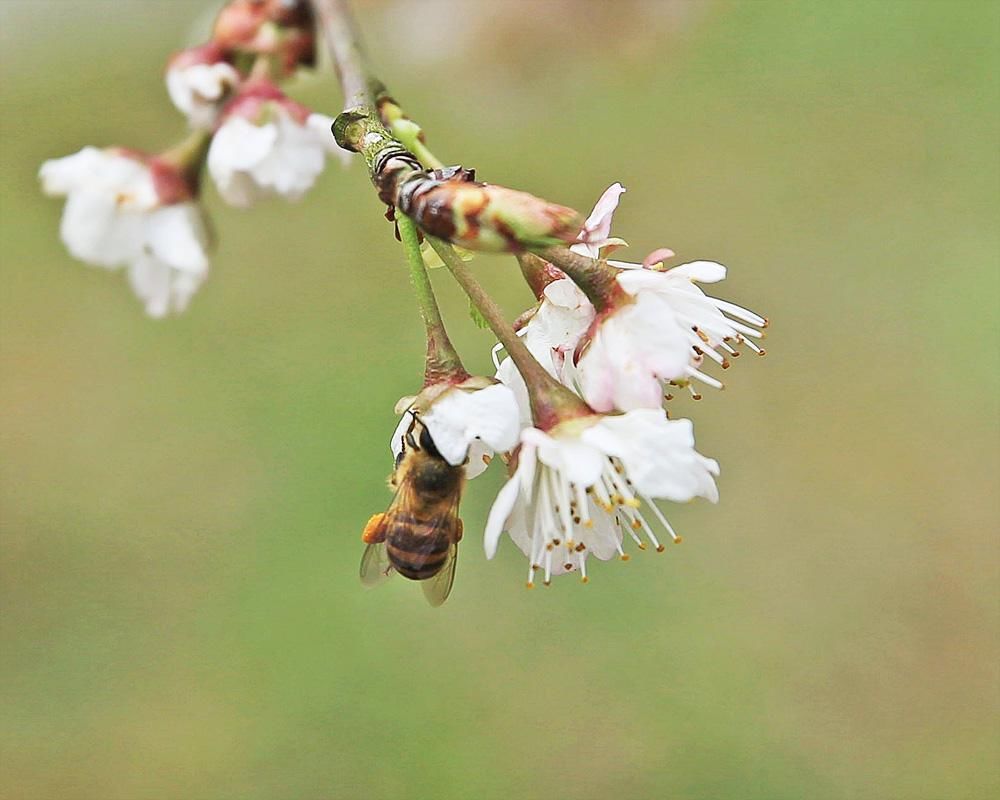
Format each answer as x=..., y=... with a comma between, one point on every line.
x=269, y=146
x=123, y=210
x=581, y=486
x=658, y=330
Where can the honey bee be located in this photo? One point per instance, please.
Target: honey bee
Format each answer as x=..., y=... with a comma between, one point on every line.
x=418, y=534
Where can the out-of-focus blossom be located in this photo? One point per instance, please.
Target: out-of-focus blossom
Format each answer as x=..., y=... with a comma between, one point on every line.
x=128, y=210
x=280, y=30
x=199, y=81
x=268, y=145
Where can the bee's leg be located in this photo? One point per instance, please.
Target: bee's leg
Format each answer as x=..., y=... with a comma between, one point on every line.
x=408, y=436
x=374, y=531
x=459, y=530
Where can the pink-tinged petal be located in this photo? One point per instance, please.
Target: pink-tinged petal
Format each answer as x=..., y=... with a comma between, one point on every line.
x=657, y=257
x=598, y=224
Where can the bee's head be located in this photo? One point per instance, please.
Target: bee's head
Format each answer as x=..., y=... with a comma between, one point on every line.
x=417, y=441
x=427, y=444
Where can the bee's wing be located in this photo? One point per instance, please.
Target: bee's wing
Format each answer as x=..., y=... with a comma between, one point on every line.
x=375, y=565
x=437, y=589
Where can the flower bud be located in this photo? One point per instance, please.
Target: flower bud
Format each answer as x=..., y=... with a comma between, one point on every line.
x=280, y=29
x=481, y=216
x=199, y=81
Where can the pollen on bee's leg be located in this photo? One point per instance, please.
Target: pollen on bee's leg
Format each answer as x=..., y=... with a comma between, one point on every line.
x=374, y=531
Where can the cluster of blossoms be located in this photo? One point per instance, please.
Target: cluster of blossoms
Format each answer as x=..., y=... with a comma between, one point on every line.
x=576, y=407
x=126, y=208
x=587, y=467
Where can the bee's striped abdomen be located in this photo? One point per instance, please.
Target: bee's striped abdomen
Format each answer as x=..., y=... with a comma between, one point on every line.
x=417, y=548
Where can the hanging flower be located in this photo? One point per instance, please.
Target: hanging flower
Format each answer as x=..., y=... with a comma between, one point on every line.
x=468, y=421
x=653, y=326
x=268, y=145
x=199, y=80
x=580, y=486
x=125, y=209
x=660, y=329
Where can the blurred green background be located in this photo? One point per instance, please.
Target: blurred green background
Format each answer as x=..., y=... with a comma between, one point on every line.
x=182, y=500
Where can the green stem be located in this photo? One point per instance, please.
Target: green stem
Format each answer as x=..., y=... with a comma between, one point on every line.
x=188, y=154
x=407, y=131
x=551, y=402
x=186, y=159
x=443, y=362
